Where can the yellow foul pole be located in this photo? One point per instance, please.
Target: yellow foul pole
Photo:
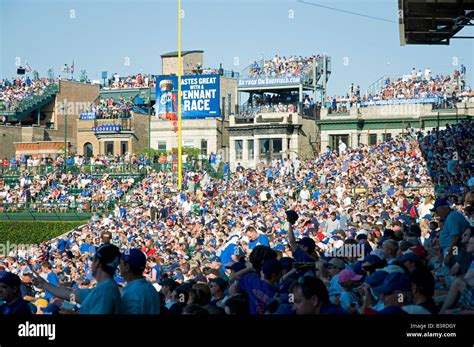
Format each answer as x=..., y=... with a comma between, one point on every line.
x=180, y=124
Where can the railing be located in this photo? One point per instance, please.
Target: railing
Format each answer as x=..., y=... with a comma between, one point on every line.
x=112, y=125
x=60, y=206
x=306, y=73
x=247, y=111
x=45, y=216
x=10, y=173
x=33, y=100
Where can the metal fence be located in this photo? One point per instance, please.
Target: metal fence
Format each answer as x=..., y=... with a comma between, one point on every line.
x=14, y=171
x=45, y=216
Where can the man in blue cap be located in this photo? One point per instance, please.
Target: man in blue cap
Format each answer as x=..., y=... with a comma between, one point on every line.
x=10, y=293
x=394, y=293
x=105, y=297
x=139, y=296
x=454, y=225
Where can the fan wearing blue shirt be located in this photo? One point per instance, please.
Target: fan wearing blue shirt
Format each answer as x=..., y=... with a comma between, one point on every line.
x=230, y=250
x=47, y=269
x=139, y=296
x=270, y=175
x=257, y=238
x=260, y=291
x=105, y=297
x=335, y=265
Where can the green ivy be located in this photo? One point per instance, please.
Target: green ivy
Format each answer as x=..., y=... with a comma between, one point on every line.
x=33, y=232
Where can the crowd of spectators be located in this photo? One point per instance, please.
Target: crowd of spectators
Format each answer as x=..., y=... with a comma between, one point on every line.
x=135, y=81
x=284, y=102
x=13, y=91
x=282, y=66
x=63, y=192
x=108, y=108
x=354, y=231
x=447, y=89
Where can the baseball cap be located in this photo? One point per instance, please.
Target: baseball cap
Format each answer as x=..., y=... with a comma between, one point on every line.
x=135, y=258
x=178, y=276
x=348, y=275
x=10, y=279
x=439, y=203
x=377, y=278
x=108, y=255
x=292, y=216
x=371, y=258
x=395, y=281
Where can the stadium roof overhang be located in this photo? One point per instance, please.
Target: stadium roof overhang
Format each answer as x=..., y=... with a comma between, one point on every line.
x=433, y=22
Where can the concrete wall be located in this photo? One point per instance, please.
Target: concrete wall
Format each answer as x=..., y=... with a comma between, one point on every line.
x=307, y=146
x=84, y=135
x=11, y=134
x=189, y=62
x=75, y=96
x=228, y=86
x=140, y=131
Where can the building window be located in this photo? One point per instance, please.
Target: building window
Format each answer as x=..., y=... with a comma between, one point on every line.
x=270, y=149
x=124, y=147
x=251, y=149
x=336, y=140
x=239, y=148
x=386, y=137
x=162, y=145
x=264, y=149
x=109, y=148
x=372, y=139
x=204, y=147
x=276, y=148
x=88, y=150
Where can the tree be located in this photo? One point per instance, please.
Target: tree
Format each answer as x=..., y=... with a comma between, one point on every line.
x=35, y=75
x=83, y=76
x=50, y=74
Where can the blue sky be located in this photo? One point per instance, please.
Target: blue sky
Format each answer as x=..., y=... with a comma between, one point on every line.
x=101, y=34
